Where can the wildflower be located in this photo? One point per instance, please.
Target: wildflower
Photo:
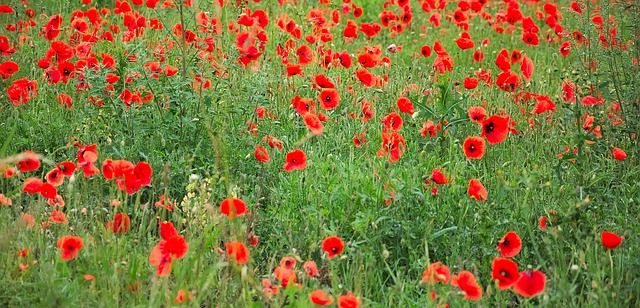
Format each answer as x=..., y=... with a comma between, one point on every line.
x=70, y=246
x=467, y=282
x=530, y=283
x=510, y=245
x=333, y=245
x=611, y=240
x=505, y=271
x=321, y=298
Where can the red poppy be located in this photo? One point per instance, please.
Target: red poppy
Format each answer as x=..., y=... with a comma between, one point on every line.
x=329, y=99
x=478, y=56
x=474, y=147
x=161, y=261
x=477, y=190
x=530, y=283
x=48, y=191
x=495, y=129
x=176, y=247
x=310, y=268
x=611, y=240
x=394, y=145
x=477, y=114
x=32, y=185
x=55, y=177
x=320, y=298
x=530, y=38
x=70, y=246
x=313, y=123
x=58, y=217
x=544, y=104
x=67, y=168
x=619, y=154
x=464, y=41
x=526, y=67
x=392, y=121
x=425, y=51
x=565, y=48
x=233, y=207
x=505, y=271
x=30, y=162
x=470, y=83
x=120, y=223
x=261, y=154
x=239, y=251
x=8, y=68
x=296, y=160
x=438, y=177
x=323, y=82
x=436, y=272
x=348, y=301
x=466, y=281
x=333, y=245
x=405, y=105
x=510, y=245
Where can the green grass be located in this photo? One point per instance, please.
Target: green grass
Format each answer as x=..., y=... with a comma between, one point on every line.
x=199, y=149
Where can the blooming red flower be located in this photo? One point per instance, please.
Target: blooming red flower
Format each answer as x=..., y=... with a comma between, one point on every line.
x=477, y=190
x=120, y=223
x=239, y=251
x=510, y=245
x=619, y=154
x=329, y=99
x=505, y=271
x=466, y=281
x=261, y=154
x=348, y=301
x=32, y=185
x=333, y=245
x=233, y=207
x=313, y=123
x=321, y=298
x=495, y=129
x=436, y=272
x=530, y=283
x=70, y=246
x=58, y=217
x=310, y=268
x=31, y=162
x=296, y=160
x=477, y=114
x=611, y=240
x=438, y=177
x=405, y=105
x=474, y=147
x=392, y=121
x=55, y=177
x=394, y=145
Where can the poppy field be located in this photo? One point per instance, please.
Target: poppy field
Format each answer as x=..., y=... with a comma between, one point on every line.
x=344, y=153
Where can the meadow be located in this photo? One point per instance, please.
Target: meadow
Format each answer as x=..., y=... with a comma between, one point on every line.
x=292, y=153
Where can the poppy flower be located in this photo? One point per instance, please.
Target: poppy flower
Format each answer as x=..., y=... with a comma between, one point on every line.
x=474, y=147
x=611, y=240
x=162, y=262
x=505, y=271
x=70, y=246
x=120, y=223
x=405, y=105
x=495, y=129
x=470, y=83
x=329, y=99
x=438, y=177
x=392, y=121
x=55, y=177
x=436, y=272
x=348, y=301
x=176, y=247
x=477, y=190
x=466, y=281
x=167, y=230
x=261, y=154
x=285, y=275
x=333, y=245
x=425, y=51
x=32, y=185
x=288, y=262
x=394, y=145
x=239, y=251
x=526, y=67
x=313, y=123
x=320, y=298
x=477, y=114
x=296, y=160
x=544, y=104
x=8, y=68
x=619, y=154
x=510, y=245
x=58, y=217
x=530, y=283
x=67, y=168
x=310, y=268
x=30, y=162
x=233, y=207
x=48, y=191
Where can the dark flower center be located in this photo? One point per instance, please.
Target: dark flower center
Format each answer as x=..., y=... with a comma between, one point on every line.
x=489, y=128
x=472, y=148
